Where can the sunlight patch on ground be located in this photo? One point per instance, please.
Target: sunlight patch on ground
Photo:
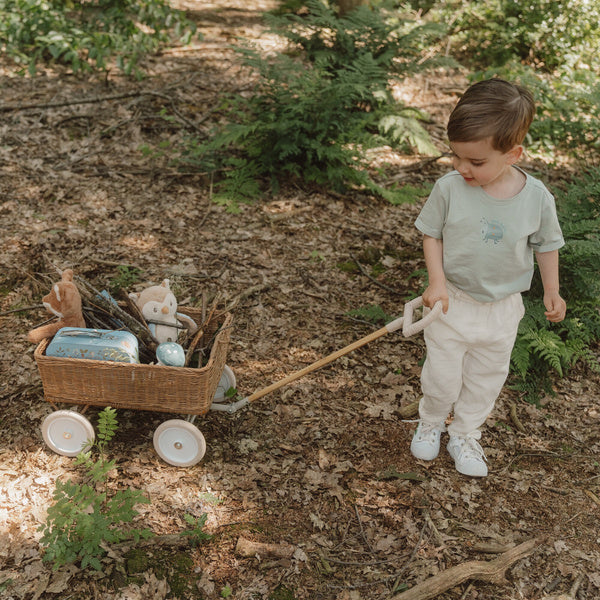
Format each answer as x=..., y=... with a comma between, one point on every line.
x=142, y=242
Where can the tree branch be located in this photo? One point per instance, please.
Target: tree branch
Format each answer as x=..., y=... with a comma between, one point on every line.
x=493, y=571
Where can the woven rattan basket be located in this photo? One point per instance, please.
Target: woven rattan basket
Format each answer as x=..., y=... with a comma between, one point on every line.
x=139, y=386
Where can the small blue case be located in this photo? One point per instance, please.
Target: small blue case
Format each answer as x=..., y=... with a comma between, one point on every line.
x=94, y=344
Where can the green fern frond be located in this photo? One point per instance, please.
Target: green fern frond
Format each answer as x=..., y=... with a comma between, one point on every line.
x=372, y=313
x=548, y=346
x=240, y=185
x=521, y=357
x=405, y=127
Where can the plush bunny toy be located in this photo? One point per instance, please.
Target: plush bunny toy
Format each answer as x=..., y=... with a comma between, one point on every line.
x=158, y=306
x=63, y=301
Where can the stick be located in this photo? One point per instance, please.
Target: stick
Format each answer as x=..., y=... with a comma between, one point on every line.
x=381, y=285
x=245, y=294
x=493, y=571
x=22, y=309
x=200, y=333
x=133, y=308
x=95, y=100
x=249, y=548
x=592, y=496
x=515, y=418
x=131, y=323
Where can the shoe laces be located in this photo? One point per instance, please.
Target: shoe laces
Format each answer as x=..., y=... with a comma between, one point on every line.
x=428, y=431
x=470, y=447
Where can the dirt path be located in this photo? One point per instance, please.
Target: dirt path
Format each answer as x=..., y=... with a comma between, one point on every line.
x=323, y=465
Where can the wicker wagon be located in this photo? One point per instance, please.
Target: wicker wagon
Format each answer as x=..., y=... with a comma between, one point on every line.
x=184, y=390
x=170, y=389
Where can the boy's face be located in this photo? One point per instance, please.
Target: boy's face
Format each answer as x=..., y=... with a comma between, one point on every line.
x=481, y=165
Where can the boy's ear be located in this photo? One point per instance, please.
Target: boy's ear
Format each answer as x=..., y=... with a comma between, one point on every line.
x=515, y=154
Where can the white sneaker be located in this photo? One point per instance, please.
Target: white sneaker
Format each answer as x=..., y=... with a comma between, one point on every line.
x=426, y=441
x=468, y=455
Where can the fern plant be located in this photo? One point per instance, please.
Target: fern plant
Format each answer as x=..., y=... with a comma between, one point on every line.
x=393, y=40
x=317, y=110
x=543, y=348
x=372, y=314
x=87, y=516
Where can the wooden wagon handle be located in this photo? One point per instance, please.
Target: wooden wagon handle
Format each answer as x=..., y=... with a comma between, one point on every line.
x=408, y=328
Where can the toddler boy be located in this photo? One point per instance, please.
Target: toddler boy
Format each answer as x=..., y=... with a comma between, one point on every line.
x=482, y=225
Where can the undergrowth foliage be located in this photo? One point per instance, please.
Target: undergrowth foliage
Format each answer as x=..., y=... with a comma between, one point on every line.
x=319, y=107
x=88, y=515
x=543, y=348
x=87, y=35
x=550, y=46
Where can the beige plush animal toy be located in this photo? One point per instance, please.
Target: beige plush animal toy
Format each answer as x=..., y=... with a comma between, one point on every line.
x=158, y=306
x=63, y=301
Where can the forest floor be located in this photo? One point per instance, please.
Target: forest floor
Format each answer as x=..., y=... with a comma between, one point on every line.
x=321, y=467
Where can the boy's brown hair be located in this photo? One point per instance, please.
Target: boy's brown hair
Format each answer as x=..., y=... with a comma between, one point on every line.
x=492, y=108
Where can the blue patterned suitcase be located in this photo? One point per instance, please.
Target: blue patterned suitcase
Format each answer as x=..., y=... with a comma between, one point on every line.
x=94, y=344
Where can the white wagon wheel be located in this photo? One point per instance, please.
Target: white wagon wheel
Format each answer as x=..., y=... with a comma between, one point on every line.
x=179, y=443
x=67, y=432
x=226, y=382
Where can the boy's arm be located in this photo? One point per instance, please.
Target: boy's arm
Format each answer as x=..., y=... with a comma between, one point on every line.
x=436, y=290
x=556, y=307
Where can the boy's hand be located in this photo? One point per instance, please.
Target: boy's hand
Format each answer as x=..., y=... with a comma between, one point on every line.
x=556, y=307
x=434, y=293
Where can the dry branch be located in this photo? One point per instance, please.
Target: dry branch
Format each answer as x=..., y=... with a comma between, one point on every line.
x=493, y=571
x=199, y=335
x=515, y=418
x=248, y=548
x=410, y=410
x=255, y=289
x=95, y=298
x=375, y=281
x=93, y=100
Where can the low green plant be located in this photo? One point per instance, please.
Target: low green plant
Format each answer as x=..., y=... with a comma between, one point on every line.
x=372, y=314
x=126, y=276
x=543, y=348
x=318, y=108
x=89, y=515
x=87, y=35
x=409, y=194
x=196, y=533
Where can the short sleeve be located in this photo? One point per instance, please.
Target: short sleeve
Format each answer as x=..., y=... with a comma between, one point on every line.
x=433, y=215
x=549, y=236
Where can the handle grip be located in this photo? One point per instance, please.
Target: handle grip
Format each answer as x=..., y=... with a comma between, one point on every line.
x=409, y=327
x=86, y=332
x=406, y=321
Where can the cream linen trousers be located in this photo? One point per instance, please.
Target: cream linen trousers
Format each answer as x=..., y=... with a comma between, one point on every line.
x=468, y=357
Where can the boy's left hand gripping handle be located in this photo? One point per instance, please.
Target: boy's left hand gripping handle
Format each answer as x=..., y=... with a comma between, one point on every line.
x=406, y=321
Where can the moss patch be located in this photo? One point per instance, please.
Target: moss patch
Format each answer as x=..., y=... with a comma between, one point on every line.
x=282, y=593
x=177, y=567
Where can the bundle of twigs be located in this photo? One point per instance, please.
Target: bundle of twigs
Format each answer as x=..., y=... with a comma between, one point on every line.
x=101, y=312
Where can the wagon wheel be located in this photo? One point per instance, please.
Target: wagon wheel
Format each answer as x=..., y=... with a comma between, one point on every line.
x=179, y=443
x=67, y=432
x=226, y=382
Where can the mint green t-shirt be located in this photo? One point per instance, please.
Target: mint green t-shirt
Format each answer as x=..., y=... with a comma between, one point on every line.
x=489, y=244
